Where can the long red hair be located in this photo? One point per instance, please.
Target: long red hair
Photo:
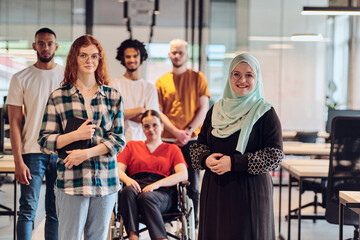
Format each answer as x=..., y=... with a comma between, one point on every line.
x=71, y=68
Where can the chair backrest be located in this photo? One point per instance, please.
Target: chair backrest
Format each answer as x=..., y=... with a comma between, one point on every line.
x=2, y=131
x=332, y=113
x=306, y=137
x=344, y=167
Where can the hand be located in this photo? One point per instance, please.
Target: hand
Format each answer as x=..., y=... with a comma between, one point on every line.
x=188, y=132
x=219, y=166
x=22, y=173
x=75, y=157
x=137, y=118
x=131, y=182
x=86, y=130
x=212, y=159
x=151, y=187
x=182, y=137
x=139, y=112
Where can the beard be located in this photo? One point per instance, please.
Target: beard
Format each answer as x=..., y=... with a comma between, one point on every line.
x=131, y=69
x=45, y=60
x=178, y=65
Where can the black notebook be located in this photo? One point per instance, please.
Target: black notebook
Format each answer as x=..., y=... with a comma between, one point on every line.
x=73, y=123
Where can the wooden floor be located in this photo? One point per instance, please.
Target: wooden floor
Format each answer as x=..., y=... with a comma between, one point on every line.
x=319, y=230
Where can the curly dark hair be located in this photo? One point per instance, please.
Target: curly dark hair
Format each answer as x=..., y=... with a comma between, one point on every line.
x=131, y=43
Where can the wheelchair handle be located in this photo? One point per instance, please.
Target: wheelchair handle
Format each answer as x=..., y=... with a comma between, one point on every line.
x=185, y=183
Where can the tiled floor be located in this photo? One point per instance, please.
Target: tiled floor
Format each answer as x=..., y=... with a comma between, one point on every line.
x=319, y=230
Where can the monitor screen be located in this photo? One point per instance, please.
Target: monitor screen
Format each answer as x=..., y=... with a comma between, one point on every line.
x=335, y=113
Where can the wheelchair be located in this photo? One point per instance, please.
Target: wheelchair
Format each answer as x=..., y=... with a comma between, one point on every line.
x=183, y=214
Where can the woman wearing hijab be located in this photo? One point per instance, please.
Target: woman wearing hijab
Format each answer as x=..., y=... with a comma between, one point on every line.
x=239, y=143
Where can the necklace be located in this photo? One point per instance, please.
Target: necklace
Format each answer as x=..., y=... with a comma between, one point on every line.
x=85, y=89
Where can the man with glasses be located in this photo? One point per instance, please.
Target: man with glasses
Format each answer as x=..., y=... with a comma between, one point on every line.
x=184, y=101
x=139, y=95
x=27, y=97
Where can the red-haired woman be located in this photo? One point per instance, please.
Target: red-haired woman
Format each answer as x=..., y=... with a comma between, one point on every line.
x=87, y=181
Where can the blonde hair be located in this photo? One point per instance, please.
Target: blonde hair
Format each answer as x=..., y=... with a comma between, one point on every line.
x=178, y=41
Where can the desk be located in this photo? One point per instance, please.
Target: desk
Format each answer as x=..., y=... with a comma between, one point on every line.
x=286, y=164
x=7, y=145
x=301, y=172
x=298, y=148
x=292, y=134
x=7, y=165
x=350, y=199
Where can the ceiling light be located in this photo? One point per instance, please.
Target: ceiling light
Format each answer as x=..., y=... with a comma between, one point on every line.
x=331, y=11
x=307, y=37
x=125, y=17
x=156, y=7
x=280, y=46
x=268, y=38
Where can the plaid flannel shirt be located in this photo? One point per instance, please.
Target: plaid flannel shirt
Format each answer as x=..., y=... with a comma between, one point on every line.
x=97, y=176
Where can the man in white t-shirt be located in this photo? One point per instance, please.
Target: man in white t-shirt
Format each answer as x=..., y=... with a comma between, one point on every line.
x=138, y=94
x=27, y=97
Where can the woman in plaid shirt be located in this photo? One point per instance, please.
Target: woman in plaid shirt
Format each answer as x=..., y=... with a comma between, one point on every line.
x=87, y=179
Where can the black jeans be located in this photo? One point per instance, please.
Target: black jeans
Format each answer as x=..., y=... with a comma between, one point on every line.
x=150, y=205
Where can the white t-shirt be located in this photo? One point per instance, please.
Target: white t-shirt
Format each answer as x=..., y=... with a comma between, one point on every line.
x=136, y=93
x=32, y=87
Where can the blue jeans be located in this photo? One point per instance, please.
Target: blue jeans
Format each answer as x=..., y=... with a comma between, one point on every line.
x=78, y=214
x=39, y=165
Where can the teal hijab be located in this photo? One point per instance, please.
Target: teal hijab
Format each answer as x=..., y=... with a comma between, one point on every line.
x=233, y=112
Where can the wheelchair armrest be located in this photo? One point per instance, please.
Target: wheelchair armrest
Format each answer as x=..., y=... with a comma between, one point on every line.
x=184, y=183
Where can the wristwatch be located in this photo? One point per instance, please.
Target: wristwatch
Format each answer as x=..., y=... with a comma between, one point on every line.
x=190, y=128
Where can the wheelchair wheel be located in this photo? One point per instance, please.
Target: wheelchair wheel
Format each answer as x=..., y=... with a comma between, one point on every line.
x=190, y=219
x=118, y=229
x=183, y=233
x=112, y=227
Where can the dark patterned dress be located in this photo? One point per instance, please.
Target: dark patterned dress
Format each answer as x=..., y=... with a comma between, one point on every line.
x=239, y=204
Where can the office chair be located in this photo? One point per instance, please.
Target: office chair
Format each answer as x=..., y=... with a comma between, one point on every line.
x=344, y=169
x=306, y=137
x=314, y=185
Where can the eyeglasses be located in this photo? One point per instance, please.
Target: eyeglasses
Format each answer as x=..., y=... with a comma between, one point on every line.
x=237, y=75
x=94, y=58
x=147, y=127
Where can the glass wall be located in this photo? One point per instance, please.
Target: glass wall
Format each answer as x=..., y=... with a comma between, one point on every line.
x=338, y=64
x=298, y=76
x=294, y=73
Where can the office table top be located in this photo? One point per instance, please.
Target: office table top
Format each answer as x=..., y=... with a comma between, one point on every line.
x=292, y=134
x=7, y=144
x=7, y=163
x=287, y=163
x=350, y=196
x=298, y=148
x=309, y=171
x=7, y=167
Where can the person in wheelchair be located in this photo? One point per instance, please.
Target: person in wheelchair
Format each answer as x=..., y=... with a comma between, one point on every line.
x=150, y=169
